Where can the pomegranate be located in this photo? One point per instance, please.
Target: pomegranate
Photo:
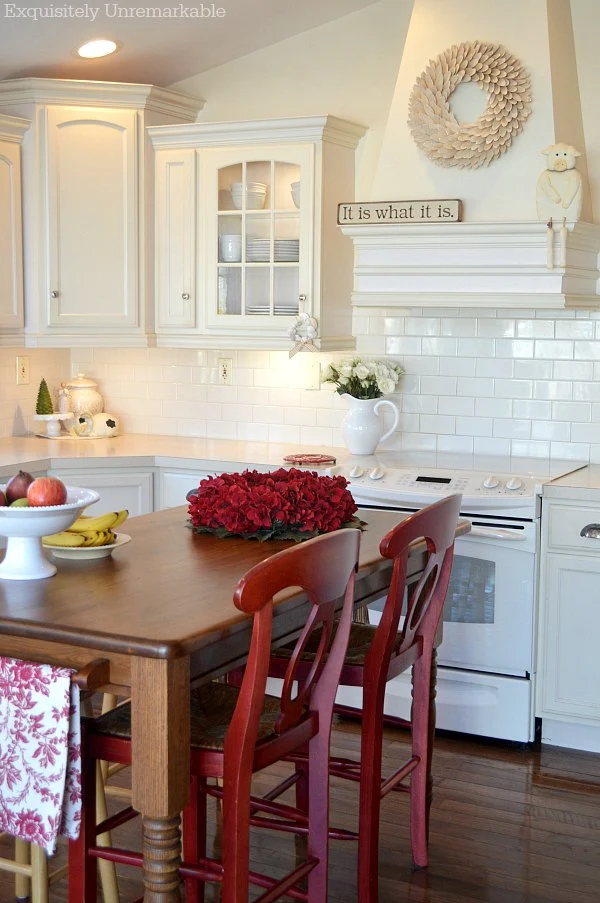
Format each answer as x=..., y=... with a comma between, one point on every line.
x=17, y=486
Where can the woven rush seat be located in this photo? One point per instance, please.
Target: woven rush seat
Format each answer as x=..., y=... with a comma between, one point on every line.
x=361, y=638
x=211, y=710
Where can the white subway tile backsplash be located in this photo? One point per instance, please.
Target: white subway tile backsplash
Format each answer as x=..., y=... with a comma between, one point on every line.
x=523, y=449
x=533, y=369
x=457, y=366
x=487, y=381
x=437, y=423
x=575, y=411
x=554, y=350
x=501, y=329
x=535, y=329
x=574, y=329
x=460, y=445
x=551, y=430
x=493, y=407
x=437, y=385
x=451, y=404
x=573, y=370
x=532, y=410
x=490, y=366
x=474, y=426
x=514, y=348
x=475, y=347
x=513, y=388
x=512, y=429
x=587, y=351
x=554, y=389
x=456, y=326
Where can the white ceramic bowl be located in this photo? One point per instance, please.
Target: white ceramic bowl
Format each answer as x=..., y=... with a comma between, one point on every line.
x=254, y=194
x=24, y=528
x=295, y=187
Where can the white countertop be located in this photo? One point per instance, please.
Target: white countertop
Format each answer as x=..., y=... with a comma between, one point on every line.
x=582, y=485
x=145, y=450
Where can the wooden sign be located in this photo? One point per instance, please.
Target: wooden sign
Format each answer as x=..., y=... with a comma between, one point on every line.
x=394, y=212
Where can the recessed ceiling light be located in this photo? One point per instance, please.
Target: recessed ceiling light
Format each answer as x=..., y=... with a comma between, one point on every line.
x=94, y=49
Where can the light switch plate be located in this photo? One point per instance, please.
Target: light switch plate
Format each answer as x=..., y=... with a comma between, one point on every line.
x=22, y=370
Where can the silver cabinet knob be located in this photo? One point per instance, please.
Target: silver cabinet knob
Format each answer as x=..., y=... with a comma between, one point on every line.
x=591, y=531
x=185, y=296
x=54, y=294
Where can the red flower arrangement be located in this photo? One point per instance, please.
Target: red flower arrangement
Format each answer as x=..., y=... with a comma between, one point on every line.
x=284, y=504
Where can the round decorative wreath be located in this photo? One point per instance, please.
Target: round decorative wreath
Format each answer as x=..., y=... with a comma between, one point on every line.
x=434, y=127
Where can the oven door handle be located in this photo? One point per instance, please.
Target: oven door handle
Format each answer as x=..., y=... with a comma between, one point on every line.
x=494, y=533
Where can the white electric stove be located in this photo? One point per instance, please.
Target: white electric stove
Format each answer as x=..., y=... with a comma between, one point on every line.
x=486, y=670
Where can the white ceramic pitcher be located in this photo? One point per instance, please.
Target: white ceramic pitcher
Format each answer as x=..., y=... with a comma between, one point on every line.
x=362, y=428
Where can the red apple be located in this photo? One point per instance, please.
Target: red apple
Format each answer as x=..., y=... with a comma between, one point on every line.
x=46, y=491
x=2, y=499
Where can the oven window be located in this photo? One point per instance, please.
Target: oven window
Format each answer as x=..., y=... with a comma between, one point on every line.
x=471, y=595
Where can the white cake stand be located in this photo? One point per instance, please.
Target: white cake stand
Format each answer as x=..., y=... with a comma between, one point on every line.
x=24, y=528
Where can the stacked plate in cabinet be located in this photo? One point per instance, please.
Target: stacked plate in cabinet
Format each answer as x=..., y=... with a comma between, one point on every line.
x=281, y=310
x=258, y=250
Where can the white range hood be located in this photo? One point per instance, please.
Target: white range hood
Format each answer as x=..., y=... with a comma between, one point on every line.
x=501, y=257
x=499, y=265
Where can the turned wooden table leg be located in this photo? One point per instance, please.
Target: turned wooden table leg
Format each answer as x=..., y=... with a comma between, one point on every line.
x=160, y=716
x=162, y=858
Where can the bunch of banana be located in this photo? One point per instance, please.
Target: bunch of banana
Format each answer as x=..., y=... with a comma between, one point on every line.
x=89, y=531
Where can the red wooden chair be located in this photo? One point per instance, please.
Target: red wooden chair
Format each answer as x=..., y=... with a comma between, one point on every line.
x=403, y=639
x=237, y=732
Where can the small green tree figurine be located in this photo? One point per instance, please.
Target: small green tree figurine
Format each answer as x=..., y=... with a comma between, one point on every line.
x=44, y=404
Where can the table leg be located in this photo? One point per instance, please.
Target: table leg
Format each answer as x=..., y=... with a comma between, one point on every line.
x=160, y=772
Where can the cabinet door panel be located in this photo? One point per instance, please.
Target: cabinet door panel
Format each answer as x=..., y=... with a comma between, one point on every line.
x=92, y=218
x=133, y=491
x=571, y=668
x=11, y=260
x=175, y=239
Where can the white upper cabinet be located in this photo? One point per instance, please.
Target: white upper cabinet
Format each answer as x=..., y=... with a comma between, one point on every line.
x=246, y=234
x=87, y=177
x=12, y=130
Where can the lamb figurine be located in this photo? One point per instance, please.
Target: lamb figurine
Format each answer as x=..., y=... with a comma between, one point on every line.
x=558, y=191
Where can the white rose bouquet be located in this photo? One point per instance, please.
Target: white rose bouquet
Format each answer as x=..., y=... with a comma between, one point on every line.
x=363, y=379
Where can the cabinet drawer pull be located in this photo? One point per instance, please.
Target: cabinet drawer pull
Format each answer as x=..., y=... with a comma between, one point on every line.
x=591, y=531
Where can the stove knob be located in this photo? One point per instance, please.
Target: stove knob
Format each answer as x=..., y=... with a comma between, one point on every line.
x=357, y=471
x=514, y=483
x=377, y=473
x=331, y=471
x=491, y=482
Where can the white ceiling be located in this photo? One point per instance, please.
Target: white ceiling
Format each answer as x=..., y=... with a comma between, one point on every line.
x=156, y=49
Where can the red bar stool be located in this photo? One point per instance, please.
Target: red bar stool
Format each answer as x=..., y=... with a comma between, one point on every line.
x=237, y=732
x=403, y=639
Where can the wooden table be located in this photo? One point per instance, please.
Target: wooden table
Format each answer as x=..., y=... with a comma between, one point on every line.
x=160, y=610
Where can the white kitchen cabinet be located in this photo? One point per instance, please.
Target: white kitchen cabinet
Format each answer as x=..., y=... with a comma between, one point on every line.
x=234, y=268
x=12, y=130
x=87, y=182
x=568, y=697
x=118, y=489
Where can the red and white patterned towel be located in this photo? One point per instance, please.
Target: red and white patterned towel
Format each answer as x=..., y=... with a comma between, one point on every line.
x=40, y=752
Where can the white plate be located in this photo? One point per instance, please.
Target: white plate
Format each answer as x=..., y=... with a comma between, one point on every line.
x=89, y=551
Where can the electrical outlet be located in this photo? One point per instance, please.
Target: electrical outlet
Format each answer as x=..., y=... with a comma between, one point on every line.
x=22, y=371
x=313, y=372
x=225, y=371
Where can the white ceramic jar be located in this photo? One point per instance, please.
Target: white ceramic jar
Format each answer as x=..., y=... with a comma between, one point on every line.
x=85, y=398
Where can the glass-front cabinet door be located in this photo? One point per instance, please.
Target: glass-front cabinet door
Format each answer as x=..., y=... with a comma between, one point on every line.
x=259, y=214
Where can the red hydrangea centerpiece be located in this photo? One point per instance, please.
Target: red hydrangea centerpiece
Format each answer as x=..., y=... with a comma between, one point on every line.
x=284, y=504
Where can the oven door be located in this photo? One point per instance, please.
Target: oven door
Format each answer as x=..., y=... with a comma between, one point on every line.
x=489, y=610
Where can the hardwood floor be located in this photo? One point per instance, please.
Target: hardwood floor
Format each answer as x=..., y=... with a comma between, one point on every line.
x=507, y=826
